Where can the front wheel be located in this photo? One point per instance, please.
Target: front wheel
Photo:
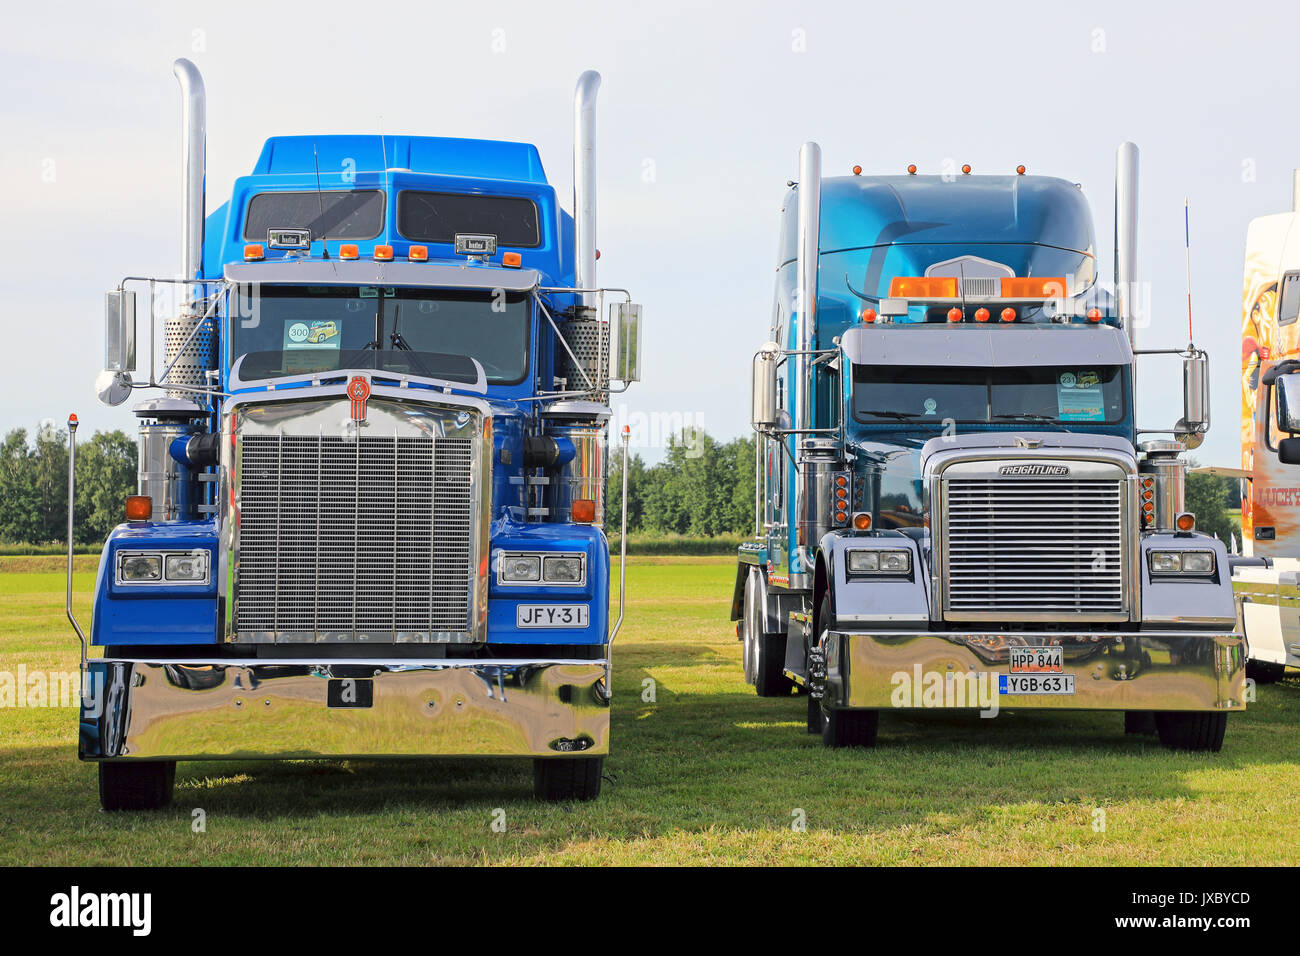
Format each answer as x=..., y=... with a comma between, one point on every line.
x=764, y=653
x=1192, y=731
x=564, y=779
x=142, y=785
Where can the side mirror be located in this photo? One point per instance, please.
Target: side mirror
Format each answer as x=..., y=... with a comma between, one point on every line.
x=1288, y=451
x=1288, y=403
x=625, y=342
x=119, y=331
x=1196, y=399
x=763, y=410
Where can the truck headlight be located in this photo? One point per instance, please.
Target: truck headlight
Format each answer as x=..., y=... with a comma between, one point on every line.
x=1181, y=562
x=879, y=561
x=562, y=569
x=139, y=568
x=190, y=568
x=521, y=567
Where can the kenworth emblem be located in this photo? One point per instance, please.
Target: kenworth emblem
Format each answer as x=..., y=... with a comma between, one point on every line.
x=358, y=391
x=1034, y=471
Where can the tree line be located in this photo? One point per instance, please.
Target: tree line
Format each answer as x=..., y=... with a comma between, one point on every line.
x=701, y=488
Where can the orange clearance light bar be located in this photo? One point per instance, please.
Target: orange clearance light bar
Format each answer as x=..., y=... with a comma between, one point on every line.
x=349, y=251
x=512, y=260
x=253, y=252
x=418, y=253
x=584, y=510
x=384, y=253
x=1052, y=287
x=139, y=507
x=923, y=287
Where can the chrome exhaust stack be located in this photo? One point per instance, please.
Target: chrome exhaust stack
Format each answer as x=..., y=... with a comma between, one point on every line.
x=194, y=147
x=1126, y=213
x=584, y=185
x=805, y=307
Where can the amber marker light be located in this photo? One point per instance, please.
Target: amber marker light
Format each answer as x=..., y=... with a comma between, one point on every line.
x=857, y=170
x=911, y=169
x=512, y=260
x=383, y=253
x=418, y=254
x=139, y=507
x=981, y=315
x=923, y=287
x=954, y=314
x=965, y=169
x=1185, y=521
x=584, y=510
x=253, y=252
x=349, y=251
x=1094, y=315
x=868, y=316
x=1020, y=170
x=1008, y=314
x=862, y=521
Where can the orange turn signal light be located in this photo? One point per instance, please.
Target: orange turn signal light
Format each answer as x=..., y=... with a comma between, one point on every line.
x=584, y=510
x=349, y=251
x=418, y=253
x=139, y=507
x=384, y=253
x=1185, y=521
x=923, y=287
x=512, y=260
x=1044, y=288
x=862, y=521
x=253, y=251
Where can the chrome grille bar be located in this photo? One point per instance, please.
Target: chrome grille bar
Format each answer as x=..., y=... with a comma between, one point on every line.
x=355, y=538
x=1025, y=548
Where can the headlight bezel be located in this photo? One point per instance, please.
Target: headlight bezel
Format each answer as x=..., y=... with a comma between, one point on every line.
x=870, y=562
x=1178, y=559
x=542, y=558
x=161, y=557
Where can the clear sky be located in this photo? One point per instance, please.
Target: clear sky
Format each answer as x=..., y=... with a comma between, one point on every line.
x=701, y=112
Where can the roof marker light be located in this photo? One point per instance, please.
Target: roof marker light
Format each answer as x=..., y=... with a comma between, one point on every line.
x=862, y=521
x=1094, y=315
x=418, y=254
x=512, y=260
x=857, y=170
x=1020, y=170
x=139, y=507
x=383, y=253
x=253, y=252
x=1185, y=521
x=1008, y=314
x=349, y=251
x=868, y=315
x=911, y=169
x=981, y=315
x=965, y=169
x=954, y=314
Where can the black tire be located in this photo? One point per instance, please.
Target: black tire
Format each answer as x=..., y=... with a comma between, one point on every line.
x=1192, y=731
x=564, y=779
x=142, y=785
x=850, y=728
x=764, y=653
x=1265, y=672
x=1139, y=722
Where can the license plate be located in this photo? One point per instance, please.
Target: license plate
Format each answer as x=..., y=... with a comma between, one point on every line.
x=551, y=615
x=1019, y=684
x=1037, y=660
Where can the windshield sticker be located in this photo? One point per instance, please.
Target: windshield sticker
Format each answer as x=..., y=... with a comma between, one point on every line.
x=311, y=334
x=1079, y=397
x=930, y=406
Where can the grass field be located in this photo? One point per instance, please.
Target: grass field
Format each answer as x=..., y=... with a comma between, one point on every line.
x=708, y=773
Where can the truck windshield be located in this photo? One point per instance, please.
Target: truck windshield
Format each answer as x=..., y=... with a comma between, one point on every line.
x=294, y=330
x=1047, y=394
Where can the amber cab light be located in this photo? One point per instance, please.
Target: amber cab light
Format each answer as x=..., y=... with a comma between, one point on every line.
x=349, y=251
x=1052, y=287
x=981, y=315
x=383, y=253
x=954, y=314
x=862, y=521
x=139, y=507
x=1094, y=315
x=1008, y=314
x=584, y=510
x=868, y=316
x=1185, y=521
x=512, y=260
x=253, y=252
x=418, y=254
x=923, y=287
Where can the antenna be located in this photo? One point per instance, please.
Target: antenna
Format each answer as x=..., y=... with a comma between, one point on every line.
x=320, y=198
x=1187, y=241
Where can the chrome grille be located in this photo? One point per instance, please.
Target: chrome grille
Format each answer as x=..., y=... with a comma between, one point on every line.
x=342, y=538
x=1033, y=546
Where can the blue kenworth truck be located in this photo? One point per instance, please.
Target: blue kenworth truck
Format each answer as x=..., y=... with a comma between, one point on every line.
x=955, y=506
x=372, y=462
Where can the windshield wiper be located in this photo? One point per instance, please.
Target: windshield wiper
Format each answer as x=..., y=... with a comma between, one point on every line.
x=887, y=413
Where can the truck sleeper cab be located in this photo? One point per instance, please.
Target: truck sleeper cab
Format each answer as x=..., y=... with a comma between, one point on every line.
x=372, y=498
x=954, y=506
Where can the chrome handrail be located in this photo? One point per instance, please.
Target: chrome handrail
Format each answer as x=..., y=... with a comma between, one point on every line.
x=72, y=501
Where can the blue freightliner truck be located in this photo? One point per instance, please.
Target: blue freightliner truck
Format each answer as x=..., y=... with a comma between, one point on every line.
x=956, y=506
x=372, y=467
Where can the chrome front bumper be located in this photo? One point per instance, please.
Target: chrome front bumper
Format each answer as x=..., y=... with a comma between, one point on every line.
x=1164, y=670
x=208, y=710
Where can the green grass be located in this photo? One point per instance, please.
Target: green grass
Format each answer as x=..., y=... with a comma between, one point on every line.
x=709, y=773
